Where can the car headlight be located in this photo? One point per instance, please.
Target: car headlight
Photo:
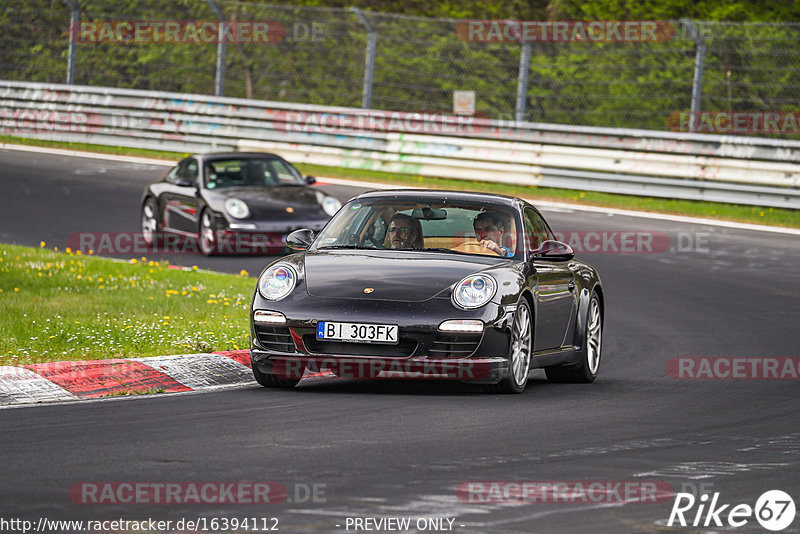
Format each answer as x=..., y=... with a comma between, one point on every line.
x=277, y=282
x=474, y=291
x=331, y=205
x=237, y=208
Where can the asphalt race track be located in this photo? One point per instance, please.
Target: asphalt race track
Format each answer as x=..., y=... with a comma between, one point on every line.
x=402, y=448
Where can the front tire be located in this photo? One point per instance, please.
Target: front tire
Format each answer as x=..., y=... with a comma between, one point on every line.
x=150, y=229
x=519, y=357
x=272, y=381
x=586, y=370
x=208, y=235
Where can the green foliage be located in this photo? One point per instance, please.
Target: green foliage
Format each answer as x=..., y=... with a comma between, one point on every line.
x=421, y=61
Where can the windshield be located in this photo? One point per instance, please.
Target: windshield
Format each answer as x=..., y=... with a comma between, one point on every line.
x=253, y=172
x=448, y=226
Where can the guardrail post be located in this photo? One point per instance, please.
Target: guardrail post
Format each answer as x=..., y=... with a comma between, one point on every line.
x=522, y=81
x=74, y=20
x=699, y=67
x=222, y=50
x=369, y=60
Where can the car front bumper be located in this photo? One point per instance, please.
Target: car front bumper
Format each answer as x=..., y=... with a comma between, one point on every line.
x=474, y=370
x=289, y=348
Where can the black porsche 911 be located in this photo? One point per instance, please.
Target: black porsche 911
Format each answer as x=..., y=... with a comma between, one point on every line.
x=234, y=203
x=439, y=284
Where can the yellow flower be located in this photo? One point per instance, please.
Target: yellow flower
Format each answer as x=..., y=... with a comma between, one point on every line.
x=194, y=288
x=69, y=250
x=243, y=273
x=77, y=252
x=41, y=244
x=16, y=290
x=133, y=260
x=91, y=252
x=144, y=259
x=194, y=267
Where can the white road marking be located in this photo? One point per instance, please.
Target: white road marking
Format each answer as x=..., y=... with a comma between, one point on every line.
x=20, y=385
x=199, y=371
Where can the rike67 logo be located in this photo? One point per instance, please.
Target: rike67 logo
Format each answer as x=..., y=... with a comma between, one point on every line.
x=774, y=510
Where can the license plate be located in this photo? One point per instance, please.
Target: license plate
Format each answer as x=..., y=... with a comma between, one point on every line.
x=358, y=332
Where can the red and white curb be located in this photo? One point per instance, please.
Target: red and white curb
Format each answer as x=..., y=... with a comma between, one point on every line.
x=61, y=381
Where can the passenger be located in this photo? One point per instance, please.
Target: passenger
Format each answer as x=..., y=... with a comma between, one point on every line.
x=489, y=229
x=405, y=232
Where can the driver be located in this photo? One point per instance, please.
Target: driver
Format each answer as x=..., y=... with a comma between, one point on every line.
x=489, y=229
x=405, y=232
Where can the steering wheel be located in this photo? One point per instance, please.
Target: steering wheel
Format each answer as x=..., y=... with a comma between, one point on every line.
x=473, y=247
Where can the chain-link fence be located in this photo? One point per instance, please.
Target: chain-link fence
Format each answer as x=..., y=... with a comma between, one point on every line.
x=393, y=62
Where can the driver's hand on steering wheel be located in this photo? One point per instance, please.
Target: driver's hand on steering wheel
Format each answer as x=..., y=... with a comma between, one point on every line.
x=494, y=247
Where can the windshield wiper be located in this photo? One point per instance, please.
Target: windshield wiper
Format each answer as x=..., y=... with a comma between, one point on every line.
x=439, y=249
x=350, y=247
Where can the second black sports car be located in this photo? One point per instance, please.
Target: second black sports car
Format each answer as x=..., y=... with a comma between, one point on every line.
x=429, y=283
x=233, y=203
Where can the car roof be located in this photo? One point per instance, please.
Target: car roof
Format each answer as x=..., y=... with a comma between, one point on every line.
x=241, y=155
x=433, y=194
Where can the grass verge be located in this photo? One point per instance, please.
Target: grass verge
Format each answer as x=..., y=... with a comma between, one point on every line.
x=65, y=306
x=711, y=210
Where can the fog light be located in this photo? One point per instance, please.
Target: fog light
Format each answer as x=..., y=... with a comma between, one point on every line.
x=269, y=317
x=472, y=326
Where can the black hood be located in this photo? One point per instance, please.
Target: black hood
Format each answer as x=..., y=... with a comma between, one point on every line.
x=266, y=202
x=393, y=275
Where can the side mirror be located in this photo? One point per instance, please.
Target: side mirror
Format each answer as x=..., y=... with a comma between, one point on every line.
x=310, y=180
x=185, y=183
x=300, y=239
x=554, y=251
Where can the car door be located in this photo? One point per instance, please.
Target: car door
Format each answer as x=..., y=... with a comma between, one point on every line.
x=555, y=289
x=181, y=198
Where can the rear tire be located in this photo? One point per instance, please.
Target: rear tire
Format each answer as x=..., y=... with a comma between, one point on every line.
x=519, y=357
x=272, y=381
x=586, y=371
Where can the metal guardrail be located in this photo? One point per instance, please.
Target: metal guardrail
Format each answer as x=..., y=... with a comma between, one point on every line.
x=743, y=170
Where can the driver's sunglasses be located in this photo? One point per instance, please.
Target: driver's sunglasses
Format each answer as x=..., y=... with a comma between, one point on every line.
x=402, y=229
